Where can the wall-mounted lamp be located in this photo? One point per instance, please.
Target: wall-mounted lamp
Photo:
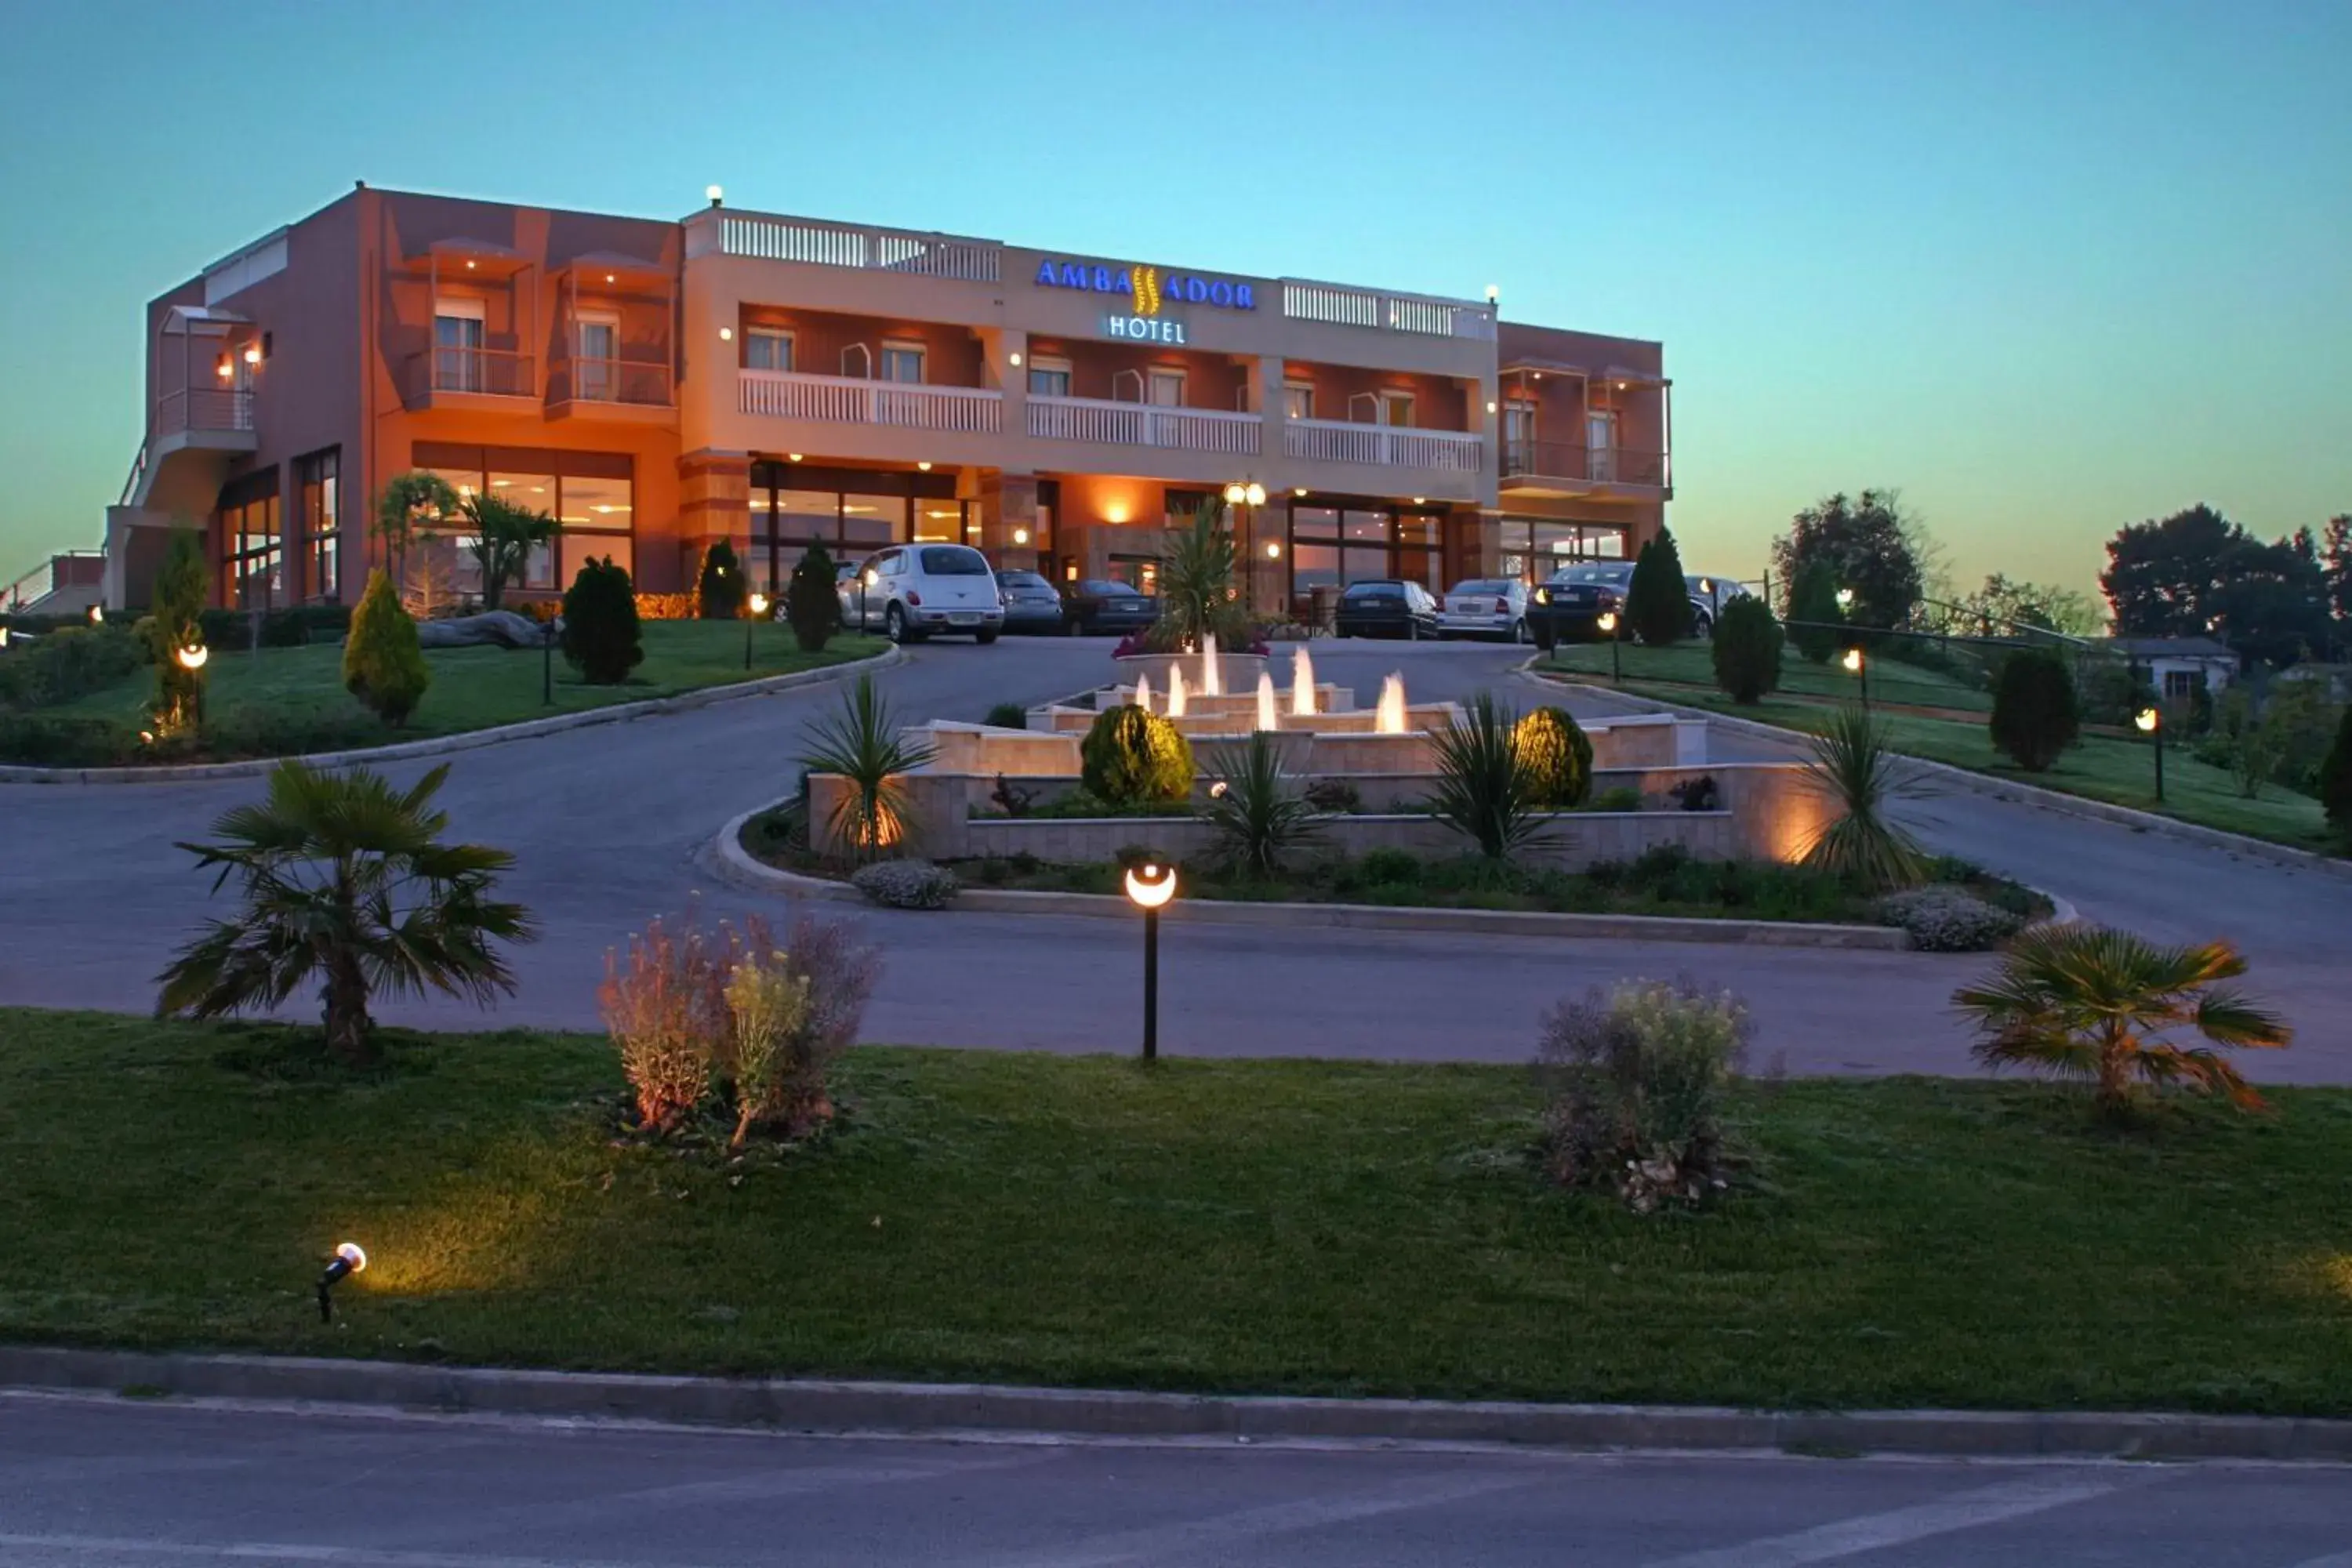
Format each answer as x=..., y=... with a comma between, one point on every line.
x=608, y=278
x=726, y=334
x=925, y=465
x=1274, y=550
x=469, y=266
x=791, y=456
x=1490, y=407
x=1020, y=536
x=1016, y=361
x=350, y=1259
x=253, y=353
x=225, y=368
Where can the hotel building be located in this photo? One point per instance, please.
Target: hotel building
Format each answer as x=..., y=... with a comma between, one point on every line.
x=782, y=380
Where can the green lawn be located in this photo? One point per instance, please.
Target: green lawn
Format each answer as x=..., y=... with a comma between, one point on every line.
x=1311, y=1226
x=258, y=702
x=2098, y=767
x=1692, y=664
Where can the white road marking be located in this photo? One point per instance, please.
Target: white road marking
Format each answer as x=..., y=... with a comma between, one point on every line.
x=10, y=1545
x=1872, y=1532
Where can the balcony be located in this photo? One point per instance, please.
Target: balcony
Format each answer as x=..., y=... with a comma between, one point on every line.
x=208, y=411
x=1572, y=469
x=621, y=389
x=815, y=242
x=468, y=378
x=851, y=400
x=1114, y=424
x=1384, y=446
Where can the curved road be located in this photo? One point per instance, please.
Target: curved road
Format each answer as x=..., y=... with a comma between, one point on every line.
x=609, y=825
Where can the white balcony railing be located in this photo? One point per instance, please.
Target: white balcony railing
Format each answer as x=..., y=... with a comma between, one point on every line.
x=203, y=408
x=1426, y=315
x=1384, y=446
x=1143, y=425
x=849, y=400
x=819, y=243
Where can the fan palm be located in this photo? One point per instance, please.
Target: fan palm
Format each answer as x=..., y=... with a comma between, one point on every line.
x=1197, y=594
x=1486, y=790
x=1854, y=768
x=2081, y=1002
x=1258, y=819
x=862, y=744
x=345, y=879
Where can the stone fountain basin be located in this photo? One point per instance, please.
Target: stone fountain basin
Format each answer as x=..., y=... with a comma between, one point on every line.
x=1239, y=670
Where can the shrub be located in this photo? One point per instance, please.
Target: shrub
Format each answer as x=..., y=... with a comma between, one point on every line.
x=862, y=744
x=1657, y=601
x=665, y=1008
x=1132, y=755
x=839, y=972
x=811, y=602
x=719, y=588
x=1616, y=797
x=766, y=1004
x=1637, y=1080
x=2035, y=714
x=70, y=662
x=1334, y=798
x=2335, y=778
x=2084, y=1003
x=1257, y=818
x=1485, y=790
x=1853, y=766
x=1558, y=758
x=906, y=884
x=383, y=665
x=1007, y=716
x=666, y=606
x=57, y=740
x=1816, y=624
x=1945, y=920
x=1746, y=650
x=345, y=882
x=1393, y=867
x=602, y=639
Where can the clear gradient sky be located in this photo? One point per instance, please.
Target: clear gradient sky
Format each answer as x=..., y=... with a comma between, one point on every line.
x=2047, y=268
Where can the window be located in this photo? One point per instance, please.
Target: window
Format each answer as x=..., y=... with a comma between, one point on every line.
x=902, y=361
x=596, y=350
x=767, y=348
x=1165, y=389
x=1534, y=551
x=532, y=492
x=590, y=494
x=252, y=559
x=1049, y=377
x=322, y=520
x=1519, y=435
x=871, y=522
x=457, y=341
x=1396, y=408
x=1601, y=438
x=1297, y=400
x=2180, y=684
x=939, y=519
x=953, y=561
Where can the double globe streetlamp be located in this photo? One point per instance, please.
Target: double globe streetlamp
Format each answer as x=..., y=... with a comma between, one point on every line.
x=1245, y=496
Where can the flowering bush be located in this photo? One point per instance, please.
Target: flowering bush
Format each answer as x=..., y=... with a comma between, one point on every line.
x=667, y=606
x=1132, y=643
x=1637, y=1081
x=665, y=1008
x=1945, y=920
x=906, y=884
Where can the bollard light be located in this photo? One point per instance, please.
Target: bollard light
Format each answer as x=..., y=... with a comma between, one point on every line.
x=1845, y=598
x=1859, y=668
x=1607, y=625
x=191, y=658
x=759, y=602
x=350, y=1259
x=2150, y=723
x=1150, y=886
x=97, y=615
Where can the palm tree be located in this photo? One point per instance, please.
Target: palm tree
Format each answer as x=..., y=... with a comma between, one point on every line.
x=1486, y=789
x=1256, y=817
x=863, y=746
x=504, y=535
x=1854, y=766
x=345, y=879
x=2084, y=1003
x=1196, y=582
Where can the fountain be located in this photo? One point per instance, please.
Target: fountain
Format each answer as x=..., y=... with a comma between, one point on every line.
x=1143, y=692
x=1176, y=691
x=1389, y=717
x=1266, y=717
x=1302, y=684
x=1212, y=674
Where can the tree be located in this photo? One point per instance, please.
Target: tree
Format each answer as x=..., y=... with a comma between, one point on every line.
x=1558, y=756
x=812, y=601
x=346, y=881
x=2197, y=574
x=504, y=535
x=862, y=744
x=2336, y=778
x=1854, y=768
x=1197, y=593
x=1746, y=650
x=1816, y=620
x=2035, y=713
x=174, y=618
x=2001, y=608
x=602, y=639
x=720, y=590
x=1870, y=545
x=2336, y=557
x=383, y=665
x=1657, y=602
x=413, y=508
x=2080, y=1002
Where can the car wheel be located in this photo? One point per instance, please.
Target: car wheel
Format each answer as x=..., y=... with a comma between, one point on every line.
x=1520, y=633
x=983, y=638
x=1703, y=628
x=894, y=626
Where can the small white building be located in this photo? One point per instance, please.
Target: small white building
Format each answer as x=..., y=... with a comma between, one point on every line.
x=2176, y=665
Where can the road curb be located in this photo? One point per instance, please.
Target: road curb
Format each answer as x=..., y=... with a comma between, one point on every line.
x=946, y=1409
x=404, y=750
x=734, y=863
x=2051, y=800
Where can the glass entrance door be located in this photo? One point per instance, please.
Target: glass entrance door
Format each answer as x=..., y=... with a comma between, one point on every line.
x=457, y=353
x=597, y=368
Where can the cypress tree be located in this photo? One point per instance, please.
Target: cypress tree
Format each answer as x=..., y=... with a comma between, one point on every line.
x=1815, y=622
x=1747, y=649
x=383, y=665
x=810, y=600
x=601, y=636
x=2035, y=712
x=175, y=618
x=720, y=590
x=1657, y=602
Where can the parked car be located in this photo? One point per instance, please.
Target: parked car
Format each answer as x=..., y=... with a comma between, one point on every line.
x=1100, y=606
x=1708, y=596
x=847, y=575
x=1386, y=606
x=1030, y=602
x=916, y=591
x=1487, y=607
x=1568, y=605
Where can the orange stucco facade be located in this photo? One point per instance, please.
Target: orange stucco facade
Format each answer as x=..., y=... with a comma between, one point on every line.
x=778, y=381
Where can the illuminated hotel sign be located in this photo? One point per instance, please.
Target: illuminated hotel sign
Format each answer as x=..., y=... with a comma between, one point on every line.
x=1144, y=329
x=1149, y=286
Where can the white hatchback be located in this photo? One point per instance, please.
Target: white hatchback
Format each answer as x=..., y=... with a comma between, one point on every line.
x=916, y=591
x=1486, y=606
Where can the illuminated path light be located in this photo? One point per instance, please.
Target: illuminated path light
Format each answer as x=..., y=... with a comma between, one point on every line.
x=350, y=1259
x=1150, y=886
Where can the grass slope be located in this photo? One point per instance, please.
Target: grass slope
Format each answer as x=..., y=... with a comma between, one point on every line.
x=1692, y=664
x=1217, y=1226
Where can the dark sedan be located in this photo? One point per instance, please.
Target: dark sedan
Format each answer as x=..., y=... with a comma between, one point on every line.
x=1569, y=606
x=1387, y=607
x=1102, y=608
x=1030, y=602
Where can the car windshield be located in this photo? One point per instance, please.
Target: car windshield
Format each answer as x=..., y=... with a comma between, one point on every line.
x=953, y=561
x=1608, y=576
x=1106, y=590
x=1483, y=585
x=1024, y=580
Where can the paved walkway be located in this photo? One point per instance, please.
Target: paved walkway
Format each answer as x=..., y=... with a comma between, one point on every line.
x=608, y=824
x=106, y=1482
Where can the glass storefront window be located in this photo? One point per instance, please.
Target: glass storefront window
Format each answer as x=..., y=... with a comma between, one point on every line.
x=1314, y=522
x=938, y=522
x=869, y=523
x=537, y=492
x=1313, y=566
x=596, y=516
x=1366, y=527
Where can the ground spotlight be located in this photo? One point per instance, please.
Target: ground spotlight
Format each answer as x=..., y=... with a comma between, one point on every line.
x=350, y=1259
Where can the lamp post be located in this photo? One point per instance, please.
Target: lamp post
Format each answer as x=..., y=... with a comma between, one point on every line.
x=1150, y=885
x=759, y=602
x=350, y=1259
x=1246, y=497
x=547, y=663
x=2150, y=721
x=1607, y=623
x=1859, y=668
x=1845, y=600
